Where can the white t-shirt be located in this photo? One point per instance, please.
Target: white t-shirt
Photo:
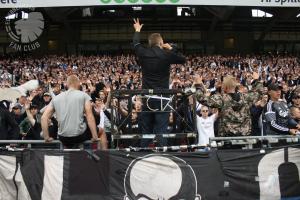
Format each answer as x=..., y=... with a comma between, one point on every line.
x=205, y=129
x=105, y=121
x=101, y=123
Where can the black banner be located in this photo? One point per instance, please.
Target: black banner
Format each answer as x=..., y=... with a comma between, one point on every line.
x=265, y=174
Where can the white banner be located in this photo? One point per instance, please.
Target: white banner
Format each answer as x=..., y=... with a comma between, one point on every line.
x=62, y=3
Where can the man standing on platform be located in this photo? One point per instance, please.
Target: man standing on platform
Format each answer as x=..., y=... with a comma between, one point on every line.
x=155, y=62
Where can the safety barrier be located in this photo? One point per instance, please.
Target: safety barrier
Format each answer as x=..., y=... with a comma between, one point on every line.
x=55, y=144
x=246, y=142
x=249, y=142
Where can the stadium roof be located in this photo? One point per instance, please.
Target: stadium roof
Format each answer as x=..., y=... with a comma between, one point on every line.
x=207, y=18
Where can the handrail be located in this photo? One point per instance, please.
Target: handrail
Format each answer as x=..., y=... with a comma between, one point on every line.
x=146, y=92
x=214, y=142
x=254, y=137
x=152, y=136
x=35, y=142
x=249, y=141
x=129, y=136
x=30, y=142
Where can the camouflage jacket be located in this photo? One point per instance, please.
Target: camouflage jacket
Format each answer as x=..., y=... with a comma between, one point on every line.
x=235, y=118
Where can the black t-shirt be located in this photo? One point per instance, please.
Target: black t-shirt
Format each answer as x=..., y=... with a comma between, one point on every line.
x=34, y=132
x=9, y=128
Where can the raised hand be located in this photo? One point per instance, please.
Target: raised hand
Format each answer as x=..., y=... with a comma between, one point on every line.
x=167, y=46
x=207, y=93
x=137, y=26
x=198, y=80
x=255, y=76
x=27, y=104
x=107, y=89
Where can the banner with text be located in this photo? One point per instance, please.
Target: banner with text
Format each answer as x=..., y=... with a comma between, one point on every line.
x=62, y=3
x=270, y=174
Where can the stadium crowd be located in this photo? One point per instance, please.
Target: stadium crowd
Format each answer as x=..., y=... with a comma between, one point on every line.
x=268, y=85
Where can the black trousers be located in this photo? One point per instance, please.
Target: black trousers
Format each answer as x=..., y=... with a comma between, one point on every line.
x=154, y=122
x=73, y=142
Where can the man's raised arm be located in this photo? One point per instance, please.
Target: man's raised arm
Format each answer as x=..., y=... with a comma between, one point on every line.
x=136, y=37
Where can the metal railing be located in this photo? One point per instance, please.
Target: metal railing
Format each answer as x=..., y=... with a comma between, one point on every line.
x=58, y=144
x=29, y=143
x=249, y=141
x=13, y=145
x=153, y=136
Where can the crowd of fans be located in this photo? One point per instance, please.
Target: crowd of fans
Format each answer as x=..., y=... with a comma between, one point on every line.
x=99, y=75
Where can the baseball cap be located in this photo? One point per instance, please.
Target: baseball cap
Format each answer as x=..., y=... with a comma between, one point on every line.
x=4, y=104
x=274, y=87
x=17, y=105
x=123, y=87
x=47, y=94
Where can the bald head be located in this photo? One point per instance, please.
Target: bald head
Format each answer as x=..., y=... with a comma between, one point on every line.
x=229, y=84
x=73, y=82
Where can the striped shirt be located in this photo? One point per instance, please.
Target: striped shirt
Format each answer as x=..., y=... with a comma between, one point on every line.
x=271, y=117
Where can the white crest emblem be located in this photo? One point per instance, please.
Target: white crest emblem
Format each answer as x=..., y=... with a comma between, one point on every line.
x=160, y=177
x=24, y=27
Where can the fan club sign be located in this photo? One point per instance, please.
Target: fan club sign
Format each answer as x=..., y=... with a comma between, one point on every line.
x=51, y=3
x=24, y=27
x=216, y=175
